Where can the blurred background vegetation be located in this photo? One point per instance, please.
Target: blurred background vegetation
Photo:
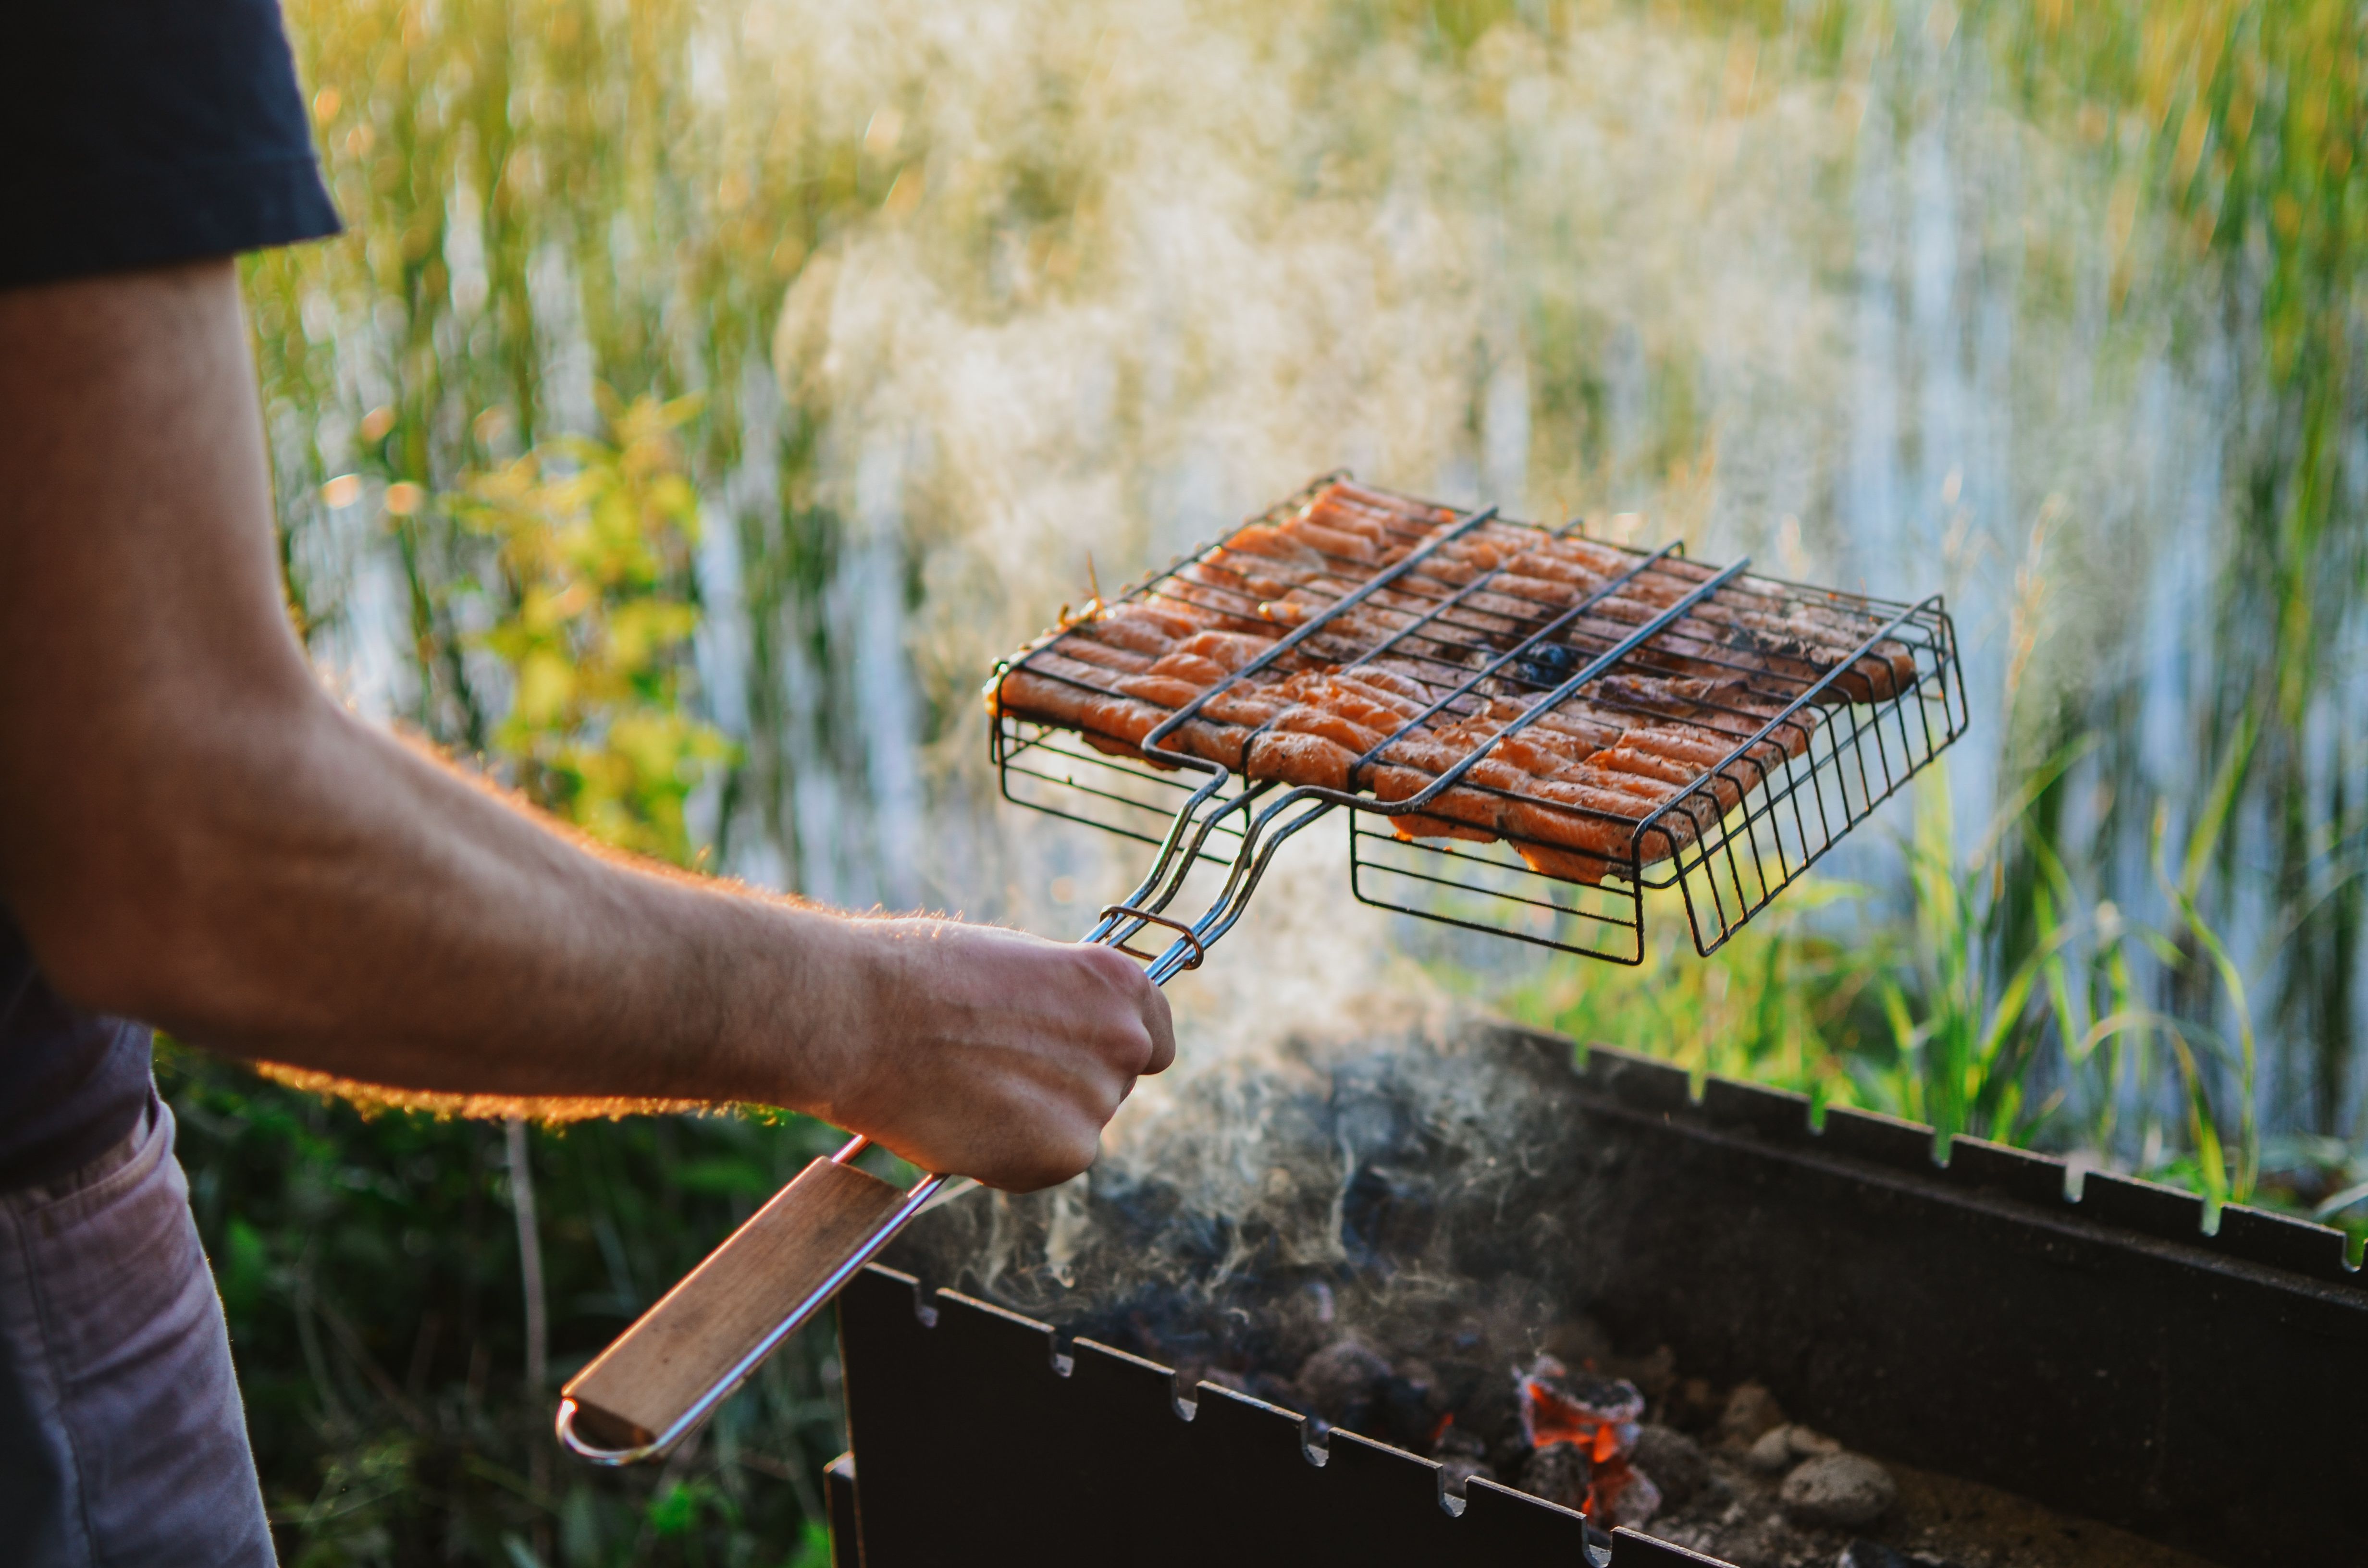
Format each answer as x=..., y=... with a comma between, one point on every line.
x=704, y=394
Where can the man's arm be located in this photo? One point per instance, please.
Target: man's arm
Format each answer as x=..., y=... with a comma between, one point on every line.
x=193, y=834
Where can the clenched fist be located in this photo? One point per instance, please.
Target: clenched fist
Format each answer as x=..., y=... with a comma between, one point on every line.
x=979, y=1051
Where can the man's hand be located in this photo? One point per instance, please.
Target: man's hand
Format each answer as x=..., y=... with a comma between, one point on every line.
x=191, y=833
x=990, y=1051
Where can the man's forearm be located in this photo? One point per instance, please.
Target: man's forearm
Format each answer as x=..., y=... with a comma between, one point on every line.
x=191, y=833
x=196, y=835
x=342, y=902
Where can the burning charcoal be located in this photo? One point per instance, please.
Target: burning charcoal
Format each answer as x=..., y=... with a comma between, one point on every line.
x=1843, y=1491
x=1622, y=1496
x=1560, y=1474
x=1874, y=1554
x=1559, y=1405
x=1750, y=1410
x=1779, y=1449
x=1674, y=1460
x=1344, y=1384
x=1597, y=1419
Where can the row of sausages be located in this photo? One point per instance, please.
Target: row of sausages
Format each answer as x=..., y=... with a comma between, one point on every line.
x=1369, y=700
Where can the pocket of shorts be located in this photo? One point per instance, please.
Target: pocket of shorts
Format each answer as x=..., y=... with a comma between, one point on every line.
x=106, y=1179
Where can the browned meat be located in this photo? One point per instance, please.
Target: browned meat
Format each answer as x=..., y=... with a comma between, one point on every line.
x=1350, y=708
x=1226, y=650
x=1299, y=759
x=1137, y=629
x=1459, y=810
x=1252, y=706
x=1085, y=648
x=1169, y=691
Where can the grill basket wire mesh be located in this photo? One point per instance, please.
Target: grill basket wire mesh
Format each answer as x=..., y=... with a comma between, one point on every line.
x=1843, y=747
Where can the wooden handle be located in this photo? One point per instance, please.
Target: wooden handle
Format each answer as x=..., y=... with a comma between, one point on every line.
x=677, y=1362
x=668, y=1373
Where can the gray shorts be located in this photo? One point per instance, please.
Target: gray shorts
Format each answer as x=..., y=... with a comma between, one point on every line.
x=122, y=1437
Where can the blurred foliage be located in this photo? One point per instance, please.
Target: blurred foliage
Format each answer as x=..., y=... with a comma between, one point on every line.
x=539, y=206
x=550, y=197
x=594, y=616
x=2238, y=128
x=1782, y=1004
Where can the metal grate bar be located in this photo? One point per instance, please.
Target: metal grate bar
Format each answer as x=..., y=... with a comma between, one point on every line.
x=1479, y=585
x=1602, y=666
x=1301, y=633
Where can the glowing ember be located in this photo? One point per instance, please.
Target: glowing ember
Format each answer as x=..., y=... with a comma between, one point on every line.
x=1595, y=1420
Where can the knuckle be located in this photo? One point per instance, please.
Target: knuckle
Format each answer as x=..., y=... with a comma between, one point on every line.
x=1126, y=1046
x=1114, y=967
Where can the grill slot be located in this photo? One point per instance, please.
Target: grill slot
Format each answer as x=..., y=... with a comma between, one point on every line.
x=1792, y=739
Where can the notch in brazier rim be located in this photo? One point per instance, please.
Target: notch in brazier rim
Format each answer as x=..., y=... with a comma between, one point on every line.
x=678, y=1361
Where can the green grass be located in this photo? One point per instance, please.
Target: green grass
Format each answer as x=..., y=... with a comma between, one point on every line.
x=1936, y=1018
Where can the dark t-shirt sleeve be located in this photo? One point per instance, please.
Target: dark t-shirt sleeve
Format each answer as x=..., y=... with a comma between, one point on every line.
x=132, y=133
x=138, y=132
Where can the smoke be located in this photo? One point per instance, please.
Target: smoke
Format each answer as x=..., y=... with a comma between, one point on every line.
x=1417, y=1190
x=1170, y=261
x=1143, y=266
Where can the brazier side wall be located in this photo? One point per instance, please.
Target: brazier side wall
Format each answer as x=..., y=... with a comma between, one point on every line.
x=2102, y=1355
x=975, y=1442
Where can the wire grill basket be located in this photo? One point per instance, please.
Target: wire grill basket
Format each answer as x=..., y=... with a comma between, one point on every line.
x=1811, y=745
